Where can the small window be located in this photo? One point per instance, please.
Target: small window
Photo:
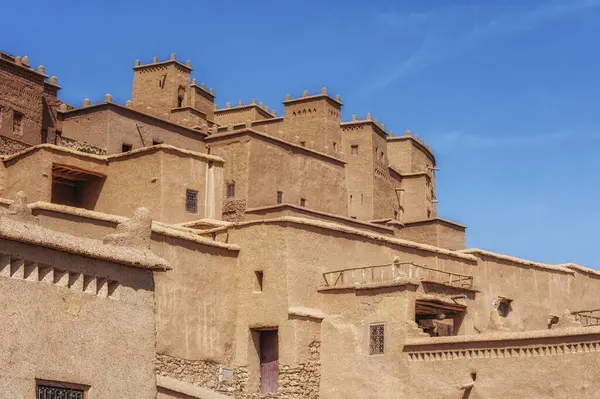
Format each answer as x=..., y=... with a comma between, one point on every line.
x=303, y=143
x=52, y=390
x=504, y=307
x=395, y=215
x=17, y=123
x=428, y=214
x=180, y=97
x=258, y=281
x=376, y=339
x=302, y=201
x=44, y=135
x=179, y=102
x=280, y=197
x=230, y=190
x=191, y=201
x=334, y=146
x=156, y=142
x=126, y=147
x=354, y=150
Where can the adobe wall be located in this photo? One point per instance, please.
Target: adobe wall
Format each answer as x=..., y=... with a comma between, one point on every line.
x=272, y=127
x=72, y=334
x=177, y=173
x=195, y=301
x=112, y=127
x=10, y=146
x=537, y=293
x=415, y=203
x=274, y=167
x=434, y=232
x=33, y=173
x=240, y=114
x=315, y=121
x=150, y=97
x=236, y=153
x=359, y=178
x=22, y=91
x=537, y=367
x=187, y=116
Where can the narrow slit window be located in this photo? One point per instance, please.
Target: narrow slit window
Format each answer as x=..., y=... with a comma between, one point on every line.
x=376, y=339
x=258, y=281
x=280, y=197
x=334, y=146
x=17, y=123
x=303, y=143
x=191, y=201
x=126, y=147
x=354, y=150
x=230, y=190
x=302, y=201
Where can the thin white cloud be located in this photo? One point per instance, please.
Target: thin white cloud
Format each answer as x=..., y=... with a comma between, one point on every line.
x=451, y=31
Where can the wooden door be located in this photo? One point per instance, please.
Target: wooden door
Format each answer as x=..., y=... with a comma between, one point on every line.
x=269, y=361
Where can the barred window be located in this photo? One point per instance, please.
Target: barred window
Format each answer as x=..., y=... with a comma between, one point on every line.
x=191, y=201
x=376, y=339
x=230, y=190
x=51, y=392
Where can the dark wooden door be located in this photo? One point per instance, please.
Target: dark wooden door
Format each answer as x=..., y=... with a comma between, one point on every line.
x=269, y=361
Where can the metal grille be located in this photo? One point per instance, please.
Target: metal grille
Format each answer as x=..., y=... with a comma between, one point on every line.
x=47, y=392
x=191, y=201
x=376, y=339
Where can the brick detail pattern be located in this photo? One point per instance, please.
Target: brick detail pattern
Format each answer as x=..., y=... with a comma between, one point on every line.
x=234, y=210
x=493, y=353
x=79, y=146
x=10, y=146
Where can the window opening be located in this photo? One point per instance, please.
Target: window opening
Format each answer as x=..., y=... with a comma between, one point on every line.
x=156, y=142
x=303, y=143
x=258, y=281
x=126, y=147
x=230, y=190
x=376, y=339
x=302, y=201
x=334, y=146
x=354, y=150
x=17, y=123
x=191, y=201
x=395, y=215
x=280, y=197
x=46, y=391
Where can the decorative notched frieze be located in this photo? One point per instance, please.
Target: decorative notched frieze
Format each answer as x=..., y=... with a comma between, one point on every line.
x=495, y=353
x=305, y=111
x=19, y=269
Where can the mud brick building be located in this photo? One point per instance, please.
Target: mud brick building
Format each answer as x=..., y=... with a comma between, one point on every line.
x=290, y=256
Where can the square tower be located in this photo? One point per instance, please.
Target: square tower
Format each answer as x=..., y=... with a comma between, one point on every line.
x=160, y=87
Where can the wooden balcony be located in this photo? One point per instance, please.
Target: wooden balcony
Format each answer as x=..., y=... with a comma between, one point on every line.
x=394, y=271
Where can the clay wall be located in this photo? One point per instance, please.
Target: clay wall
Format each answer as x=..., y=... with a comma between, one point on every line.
x=26, y=107
x=434, y=232
x=504, y=366
x=272, y=127
x=188, y=117
x=203, y=101
x=156, y=180
x=195, y=301
x=236, y=153
x=156, y=86
x=74, y=333
x=111, y=127
x=415, y=203
x=241, y=114
x=537, y=293
x=273, y=167
x=315, y=122
x=359, y=178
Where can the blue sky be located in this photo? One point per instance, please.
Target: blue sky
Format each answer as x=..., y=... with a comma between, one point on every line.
x=506, y=92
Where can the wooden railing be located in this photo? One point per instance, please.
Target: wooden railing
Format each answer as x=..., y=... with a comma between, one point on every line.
x=588, y=317
x=394, y=271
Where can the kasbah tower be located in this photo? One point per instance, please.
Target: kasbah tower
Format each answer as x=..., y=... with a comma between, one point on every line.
x=168, y=248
